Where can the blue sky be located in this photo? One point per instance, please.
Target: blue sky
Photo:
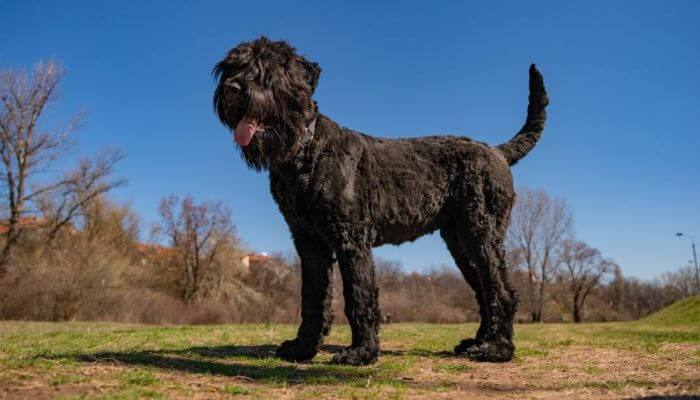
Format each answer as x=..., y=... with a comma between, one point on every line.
x=621, y=144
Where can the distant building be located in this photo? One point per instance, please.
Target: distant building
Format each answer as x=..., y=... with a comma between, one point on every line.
x=34, y=228
x=144, y=251
x=253, y=259
x=27, y=223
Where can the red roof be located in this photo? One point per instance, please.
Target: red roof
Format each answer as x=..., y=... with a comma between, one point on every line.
x=27, y=222
x=152, y=248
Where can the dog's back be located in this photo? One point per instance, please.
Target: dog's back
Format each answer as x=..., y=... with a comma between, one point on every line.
x=405, y=188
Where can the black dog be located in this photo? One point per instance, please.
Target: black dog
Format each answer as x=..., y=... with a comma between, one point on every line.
x=343, y=192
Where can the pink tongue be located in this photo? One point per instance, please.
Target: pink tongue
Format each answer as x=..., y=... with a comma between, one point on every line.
x=245, y=131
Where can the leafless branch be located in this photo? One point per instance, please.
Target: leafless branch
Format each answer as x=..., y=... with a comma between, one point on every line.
x=197, y=233
x=538, y=225
x=27, y=150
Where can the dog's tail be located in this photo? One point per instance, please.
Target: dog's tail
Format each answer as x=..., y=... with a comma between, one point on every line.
x=525, y=140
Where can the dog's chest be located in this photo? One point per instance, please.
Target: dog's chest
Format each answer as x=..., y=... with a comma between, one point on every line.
x=295, y=196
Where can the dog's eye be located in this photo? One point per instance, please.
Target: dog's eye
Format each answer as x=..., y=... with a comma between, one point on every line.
x=233, y=85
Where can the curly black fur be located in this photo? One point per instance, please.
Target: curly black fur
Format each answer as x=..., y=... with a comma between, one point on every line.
x=343, y=192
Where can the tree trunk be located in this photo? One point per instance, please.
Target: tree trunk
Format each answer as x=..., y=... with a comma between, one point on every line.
x=10, y=239
x=577, y=314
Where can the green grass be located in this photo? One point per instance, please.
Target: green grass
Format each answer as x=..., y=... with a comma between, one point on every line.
x=139, y=378
x=119, y=361
x=684, y=312
x=235, y=390
x=453, y=368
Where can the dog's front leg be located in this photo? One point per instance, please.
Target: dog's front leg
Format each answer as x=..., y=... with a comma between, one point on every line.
x=316, y=298
x=361, y=305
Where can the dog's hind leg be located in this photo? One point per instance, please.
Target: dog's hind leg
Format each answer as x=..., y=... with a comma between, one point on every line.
x=495, y=339
x=316, y=298
x=470, y=273
x=477, y=243
x=361, y=305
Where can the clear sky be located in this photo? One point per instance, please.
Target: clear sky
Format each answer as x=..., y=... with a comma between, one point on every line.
x=621, y=143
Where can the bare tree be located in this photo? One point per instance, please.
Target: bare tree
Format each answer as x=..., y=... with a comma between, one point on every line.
x=26, y=151
x=583, y=268
x=23, y=149
x=197, y=233
x=389, y=273
x=682, y=280
x=79, y=188
x=278, y=280
x=538, y=226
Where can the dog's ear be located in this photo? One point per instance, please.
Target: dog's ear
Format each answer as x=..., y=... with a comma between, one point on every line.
x=313, y=71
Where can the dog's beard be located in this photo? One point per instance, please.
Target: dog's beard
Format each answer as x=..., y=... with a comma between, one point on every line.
x=266, y=146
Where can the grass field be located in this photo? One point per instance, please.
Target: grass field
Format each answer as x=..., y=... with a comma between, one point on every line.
x=656, y=356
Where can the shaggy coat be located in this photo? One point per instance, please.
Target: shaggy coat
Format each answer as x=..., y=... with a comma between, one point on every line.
x=343, y=192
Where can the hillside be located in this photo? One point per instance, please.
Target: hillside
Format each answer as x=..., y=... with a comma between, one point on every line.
x=683, y=312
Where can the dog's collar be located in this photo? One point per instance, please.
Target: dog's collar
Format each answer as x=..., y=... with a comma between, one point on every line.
x=311, y=128
x=309, y=131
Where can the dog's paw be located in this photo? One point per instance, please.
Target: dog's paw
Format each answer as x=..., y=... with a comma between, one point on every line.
x=466, y=344
x=360, y=355
x=485, y=351
x=296, y=350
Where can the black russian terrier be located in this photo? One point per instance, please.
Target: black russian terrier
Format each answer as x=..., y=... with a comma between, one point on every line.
x=343, y=192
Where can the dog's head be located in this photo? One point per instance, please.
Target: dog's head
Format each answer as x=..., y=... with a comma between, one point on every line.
x=264, y=96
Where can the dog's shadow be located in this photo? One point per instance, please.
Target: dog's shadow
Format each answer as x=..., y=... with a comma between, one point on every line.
x=255, y=363
x=267, y=351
